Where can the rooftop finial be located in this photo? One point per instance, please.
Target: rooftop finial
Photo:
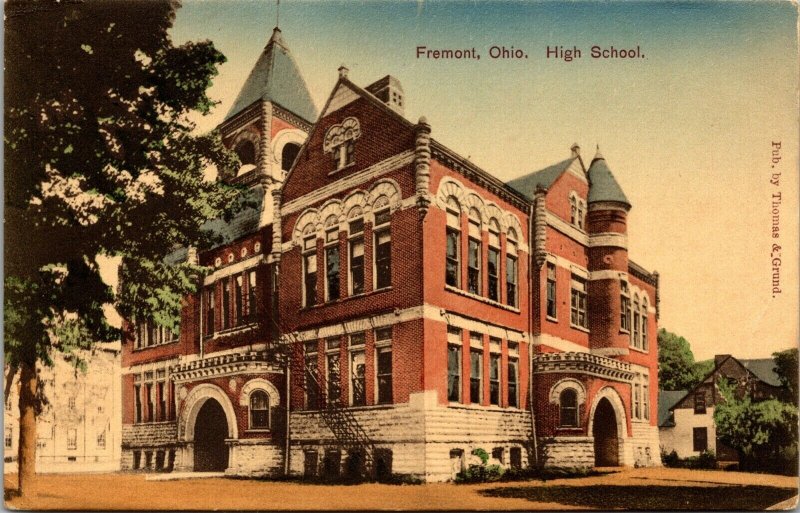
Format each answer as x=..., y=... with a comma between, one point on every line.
x=598, y=155
x=278, y=14
x=343, y=71
x=575, y=149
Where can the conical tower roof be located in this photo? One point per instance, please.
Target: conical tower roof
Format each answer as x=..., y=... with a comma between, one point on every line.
x=276, y=78
x=602, y=184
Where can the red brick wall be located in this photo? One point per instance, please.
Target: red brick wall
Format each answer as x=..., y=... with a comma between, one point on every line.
x=557, y=200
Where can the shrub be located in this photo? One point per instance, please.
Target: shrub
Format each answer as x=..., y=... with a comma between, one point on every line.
x=671, y=459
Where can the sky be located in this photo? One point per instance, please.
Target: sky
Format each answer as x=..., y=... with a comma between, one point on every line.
x=687, y=129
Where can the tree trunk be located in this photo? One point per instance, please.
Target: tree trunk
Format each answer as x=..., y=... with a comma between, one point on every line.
x=26, y=461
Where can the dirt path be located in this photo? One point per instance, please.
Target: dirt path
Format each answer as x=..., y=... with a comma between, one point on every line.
x=631, y=488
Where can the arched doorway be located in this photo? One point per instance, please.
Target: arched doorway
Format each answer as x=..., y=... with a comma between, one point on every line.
x=606, y=438
x=210, y=432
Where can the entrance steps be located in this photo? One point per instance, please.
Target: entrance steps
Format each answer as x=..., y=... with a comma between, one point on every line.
x=176, y=476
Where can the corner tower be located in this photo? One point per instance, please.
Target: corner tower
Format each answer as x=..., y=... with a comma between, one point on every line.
x=606, y=224
x=269, y=122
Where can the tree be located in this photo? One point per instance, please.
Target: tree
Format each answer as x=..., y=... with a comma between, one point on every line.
x=101, y=161
x=786, y=366
x=677, y=369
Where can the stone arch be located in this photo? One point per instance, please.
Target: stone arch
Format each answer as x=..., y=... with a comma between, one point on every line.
x=476, y=202
x=355, y=199
x=560, y=386
x=191, y=407
x=512, y=221
x=493, y=211
x=284, y=137
x=619, y=410
x=259, y=384
x=450, y=187
x=330, y=208
x=388, y=188
x=308, y=217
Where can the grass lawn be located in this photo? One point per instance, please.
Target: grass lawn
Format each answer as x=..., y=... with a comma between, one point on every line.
x=641, y=489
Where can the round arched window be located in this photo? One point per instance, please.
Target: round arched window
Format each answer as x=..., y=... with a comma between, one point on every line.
x=568, y=404
x=259, y=410
x=288, y=155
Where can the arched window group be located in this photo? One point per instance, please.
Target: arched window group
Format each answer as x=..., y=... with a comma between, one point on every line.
x=634, y=318
x=577, y=209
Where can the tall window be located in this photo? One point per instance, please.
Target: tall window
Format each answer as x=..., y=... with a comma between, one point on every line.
x=573, y=209
x=151, y=407
x=210, y=306
x=312, y=383
x=356, y=256
x=699, y=439
x=101, y=439
x=578, y=302
x=699, y=402
x=511, y=268
x=358, y=371
x=72, y=439
x=226, y=303
x=383, y=250
x=238, y=294
x=513, y=375
x=625, y=306
x=332, y=265
x=259, y=410
x=137, y=401
x=383, y=348
x=551, y=290
x=334, y=375
x=288, y=155
x=310, y=271
x=162, y=401
x=252, y=296
x=637, y=400
x=475, y=370
x=493, y=267
x=645, y=397
x=494, y=371
x=637, y=341
x=453, y=263
x=645, y=346
x=568, y=408
x=9, y=437
x=454, y=344
x=474, y=253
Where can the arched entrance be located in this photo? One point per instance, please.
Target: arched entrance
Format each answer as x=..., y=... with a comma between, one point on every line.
x=606, y=438
x=210, y=432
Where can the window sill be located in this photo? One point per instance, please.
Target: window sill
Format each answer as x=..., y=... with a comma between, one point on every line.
x=492, y=407
x=624, y=331
x=231, y=331
x=338, y=169
x=258, y=430
x=579, y=328
x=368, y=407
x=346, y=298
x=482, y=299
x=638, y=350
x=640, y=421
x=551, y=319
x=145, y=348
x=569, y=428
x=154, y=423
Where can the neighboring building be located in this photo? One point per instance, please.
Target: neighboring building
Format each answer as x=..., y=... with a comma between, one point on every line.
x=686, y=417
x=79, y=429
x=424, y=309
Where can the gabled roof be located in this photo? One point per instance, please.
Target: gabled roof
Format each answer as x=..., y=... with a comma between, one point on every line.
x=602, y=184
x=666, y=400
x=527, y=184
x=276, y=78
x=764, y=369
x=244, y=222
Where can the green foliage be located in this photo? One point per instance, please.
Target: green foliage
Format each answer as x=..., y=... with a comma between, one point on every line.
x=480, y=473
x=786, y=366
x=677, y=369
x=482, y=454
x=754, y=429
x=706, y=460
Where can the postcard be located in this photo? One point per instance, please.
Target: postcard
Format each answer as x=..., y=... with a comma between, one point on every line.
x=399, y=255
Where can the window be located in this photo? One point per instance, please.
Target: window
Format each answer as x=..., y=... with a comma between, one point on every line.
x=646, y=398
x=339, y=141
x=513, y=375
x=72, y=439
x=226, y=303
x=246, y=151
x=453, y=257
x=700, y=402
x=568, y=408
x=151, y=408
x=252, y=296
x=9, y=437
x=334, y=377
x=625, y=306
x=71, y=403
x=162, y=401
x=474, y=253
x=101, y=440
x=238, y=290
x=137, y=400
x=699, y=439
x=578, y=302
x=494, y=374
x=311, y=381
x=383, y=347
x=551, y=290
x=357, y=256
x=210, y=305
x=383, y=250
x=259, y=410
x=637, y=342
x=511, y=268
x=475, y=375
x=645, y=343
x=454, y=364
x=310, y=271
x=493, y=268
x=358, y=371
x=577, y=210
x=288, y=156
x=516, y=457
x=332, y=265
x=637, y=400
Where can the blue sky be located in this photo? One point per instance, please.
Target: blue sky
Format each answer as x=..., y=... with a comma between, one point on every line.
x=686, y=130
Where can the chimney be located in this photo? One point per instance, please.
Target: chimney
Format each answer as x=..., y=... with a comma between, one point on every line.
x=389, y=91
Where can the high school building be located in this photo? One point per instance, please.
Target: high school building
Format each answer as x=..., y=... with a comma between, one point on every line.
x=386, y=306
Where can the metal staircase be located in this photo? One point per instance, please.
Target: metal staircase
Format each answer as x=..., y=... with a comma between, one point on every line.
x=340, y=419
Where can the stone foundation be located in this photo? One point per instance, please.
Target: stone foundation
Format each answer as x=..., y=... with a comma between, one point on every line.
x=567, y=451
x=254, y=458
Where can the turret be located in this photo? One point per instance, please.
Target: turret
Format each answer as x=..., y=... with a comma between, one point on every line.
x=606, y=224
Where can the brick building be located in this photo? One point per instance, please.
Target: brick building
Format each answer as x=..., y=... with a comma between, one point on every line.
x=409, y=306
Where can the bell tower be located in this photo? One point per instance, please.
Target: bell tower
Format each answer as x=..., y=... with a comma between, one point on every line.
x=269, y=122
